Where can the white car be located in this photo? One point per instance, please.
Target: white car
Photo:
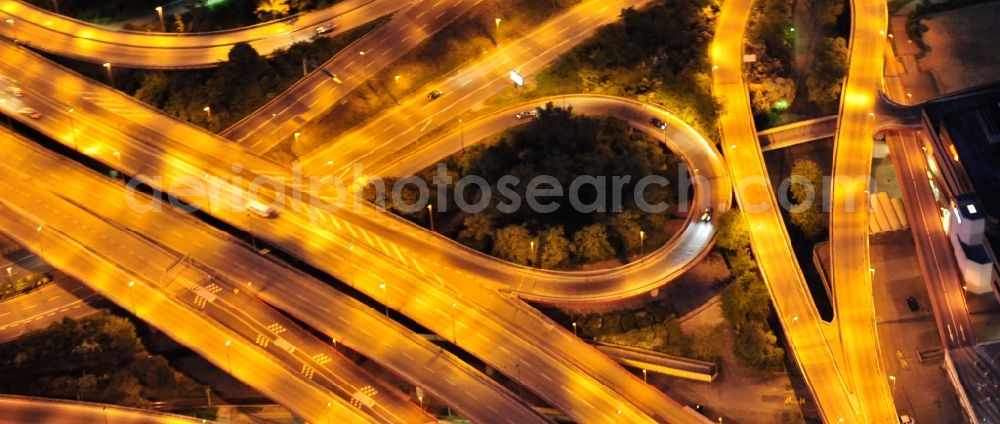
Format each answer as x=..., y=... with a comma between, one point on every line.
x=906, y=419
x=323, y=29
x=29, y=112
x=526, y=114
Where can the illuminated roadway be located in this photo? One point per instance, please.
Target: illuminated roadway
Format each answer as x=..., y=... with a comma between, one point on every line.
x=772, y=248
x=941, y=273
x=692, y=242
x=337, y=315
x=564, y=371
x=317, y=92
x=22, y=409
x=463, y=90
x=853, y=302
x=106, y=273
x=69, y=37
x=44, y=305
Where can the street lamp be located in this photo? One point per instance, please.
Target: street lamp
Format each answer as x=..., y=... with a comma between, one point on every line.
x=131, y=295
x=38, y=230
x=892, y=379
x=208, y=111
x=532, y=246
x=644, y=379
x=430, y=214
x=574, y=329
x=163, y=25
x=12, y=29
x=642, y=242
x=118, y=155
x=72, y=126
x=229, y=358
x=497, y=21
x=385, y=293
x=111, y=77
x=296, y=135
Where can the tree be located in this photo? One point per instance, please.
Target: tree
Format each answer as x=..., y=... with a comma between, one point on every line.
x=807, y=187
x=592, y=243
x=707, y=342
x=829, y=69
x=555, y=248
x=272, y=9
x=733, y=232
x=513, y=243
x=477, y=232
x=626, y=228
x=772, y=93
x=810, y=181
x=810, y=221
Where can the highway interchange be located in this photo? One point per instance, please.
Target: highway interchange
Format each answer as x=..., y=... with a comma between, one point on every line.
x=377, y=254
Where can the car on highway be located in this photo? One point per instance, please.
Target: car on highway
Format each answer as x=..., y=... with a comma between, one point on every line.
x=323, y=29
x=706, y=214
x=658, y=123
x=29, y=112
x=526, y=114
x=15, y=90
x=906, y=419
x=261, y=210
x=911, y=302
x=433, y=95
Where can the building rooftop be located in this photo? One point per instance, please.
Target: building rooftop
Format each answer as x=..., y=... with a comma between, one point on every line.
x=978, y=369
x=972, y=120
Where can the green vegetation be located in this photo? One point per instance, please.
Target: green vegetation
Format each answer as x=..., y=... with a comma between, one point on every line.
x=565, y=147
x=658, y=53
x=9, y=289
x=807, y=191
x=465, y=39
x=654, y=327
x=745, y=301
x=773, y=79
x=97, y=359
x=829, y=69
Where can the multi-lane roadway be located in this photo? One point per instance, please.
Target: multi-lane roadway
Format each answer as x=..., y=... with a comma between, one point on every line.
x=54, y=33
x=353, y=246
x=19, y=409
x=806, y=332
x=317, y=92
x=343, y=320
x=850, y=268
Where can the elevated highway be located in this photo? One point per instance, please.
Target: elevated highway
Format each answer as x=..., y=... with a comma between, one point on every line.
x=360, y=247
x=57, y=34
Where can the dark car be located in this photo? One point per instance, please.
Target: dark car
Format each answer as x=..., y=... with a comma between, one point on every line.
x=434, y=94
x=526, y=114
x=912, y=303
x=658, y=123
